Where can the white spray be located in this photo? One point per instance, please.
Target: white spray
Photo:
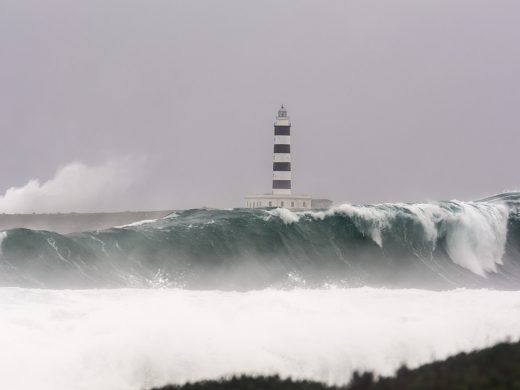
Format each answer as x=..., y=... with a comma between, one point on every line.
x=136, y=339
x=475, y=233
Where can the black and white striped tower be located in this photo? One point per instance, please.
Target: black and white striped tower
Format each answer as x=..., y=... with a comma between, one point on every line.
x=281, y=195
x=282, y=154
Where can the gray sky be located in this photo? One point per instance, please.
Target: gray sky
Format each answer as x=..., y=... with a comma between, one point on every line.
x=389, y=100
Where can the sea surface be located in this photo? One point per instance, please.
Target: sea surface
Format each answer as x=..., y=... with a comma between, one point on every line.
x=205, y=293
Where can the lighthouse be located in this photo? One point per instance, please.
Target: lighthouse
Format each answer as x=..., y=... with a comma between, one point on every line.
x=281, y=193
x=282, y=154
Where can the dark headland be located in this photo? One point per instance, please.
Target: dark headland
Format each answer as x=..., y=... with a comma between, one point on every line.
x=494, y=368
x=76, y=222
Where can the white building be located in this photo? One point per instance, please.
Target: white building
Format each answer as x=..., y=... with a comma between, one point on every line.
x=287, y=201
x=281, y=190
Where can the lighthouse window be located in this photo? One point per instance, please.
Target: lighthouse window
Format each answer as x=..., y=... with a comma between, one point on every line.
x=304, y=204
x=292, y=204
x=270, y=203
x=281, y=203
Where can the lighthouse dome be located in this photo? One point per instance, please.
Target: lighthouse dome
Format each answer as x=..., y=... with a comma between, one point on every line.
x=282, y=112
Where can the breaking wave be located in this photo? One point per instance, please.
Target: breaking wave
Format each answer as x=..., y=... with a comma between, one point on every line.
x=431, y=245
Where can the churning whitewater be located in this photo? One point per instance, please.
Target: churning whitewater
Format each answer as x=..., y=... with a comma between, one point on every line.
x=134, y=339
x=433, y=245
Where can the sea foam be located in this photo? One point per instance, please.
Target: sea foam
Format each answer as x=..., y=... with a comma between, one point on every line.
x=3, y=235
x=137, y=223
x=134, y=339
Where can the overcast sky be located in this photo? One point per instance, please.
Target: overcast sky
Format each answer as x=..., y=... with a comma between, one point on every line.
x=389, y=100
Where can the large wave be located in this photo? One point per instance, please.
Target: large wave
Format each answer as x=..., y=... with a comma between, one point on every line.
x=430, y=245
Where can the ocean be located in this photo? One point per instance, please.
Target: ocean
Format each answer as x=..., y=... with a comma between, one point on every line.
x=206, y=293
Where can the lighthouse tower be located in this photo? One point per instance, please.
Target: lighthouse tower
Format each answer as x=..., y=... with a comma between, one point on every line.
x=282, y=154
x=281, y=195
